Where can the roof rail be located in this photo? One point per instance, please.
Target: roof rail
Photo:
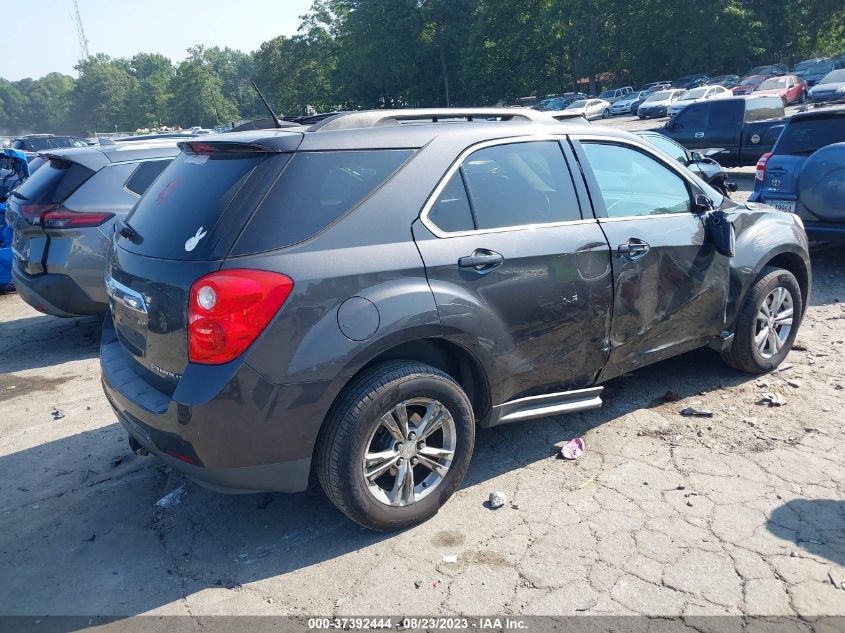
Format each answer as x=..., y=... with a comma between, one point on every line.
x=381, y=118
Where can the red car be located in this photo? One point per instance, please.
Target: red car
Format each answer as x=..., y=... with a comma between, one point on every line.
x=790, y=88
x=749, y=84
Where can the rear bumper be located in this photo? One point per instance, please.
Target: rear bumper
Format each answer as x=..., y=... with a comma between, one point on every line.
x=224, y=426
x=55, y=294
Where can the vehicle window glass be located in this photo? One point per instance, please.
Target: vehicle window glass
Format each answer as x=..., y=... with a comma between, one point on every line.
x=808, y=135
x=18, y=144
x=722, y=115
x=193, y=194
x=520, y=183
x=837, y=76
x=315, y=190
x=634, y=184
x=665, y=145
x=54, y=182
x=693, y=117
x=144, y=174
x=452, y=212
x=763, y=108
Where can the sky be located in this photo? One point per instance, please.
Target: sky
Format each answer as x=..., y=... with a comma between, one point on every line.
x=45, y=31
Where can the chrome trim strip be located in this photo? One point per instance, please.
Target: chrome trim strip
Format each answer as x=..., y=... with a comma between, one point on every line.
x=547, y=404
x=119, y=292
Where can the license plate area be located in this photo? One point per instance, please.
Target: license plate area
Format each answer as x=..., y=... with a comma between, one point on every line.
x=787, y=206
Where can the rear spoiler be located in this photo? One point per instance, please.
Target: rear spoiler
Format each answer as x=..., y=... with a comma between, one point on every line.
x=275, y=143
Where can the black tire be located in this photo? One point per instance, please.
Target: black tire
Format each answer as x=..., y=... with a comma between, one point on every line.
x=349, y=428
x=744, y=354
x=606, y=113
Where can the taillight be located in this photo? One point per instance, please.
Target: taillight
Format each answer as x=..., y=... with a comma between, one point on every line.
x=64, y=219
x=229, y=309
x=761, y=166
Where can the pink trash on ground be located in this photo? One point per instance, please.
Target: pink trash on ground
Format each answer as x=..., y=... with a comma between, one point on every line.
x=573, y=449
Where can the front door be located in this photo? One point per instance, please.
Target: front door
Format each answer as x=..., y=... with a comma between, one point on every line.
x=520, y=278
x=670, y=284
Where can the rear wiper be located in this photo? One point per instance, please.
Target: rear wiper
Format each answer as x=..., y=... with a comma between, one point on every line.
x=18, y=195
x=128, y=232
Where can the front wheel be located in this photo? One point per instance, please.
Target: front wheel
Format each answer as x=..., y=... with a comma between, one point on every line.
x=396, y=445
x=767, y=323
x=606, y=113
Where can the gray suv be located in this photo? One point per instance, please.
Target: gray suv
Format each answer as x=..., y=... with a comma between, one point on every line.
x=63, y=217
x=356, y=296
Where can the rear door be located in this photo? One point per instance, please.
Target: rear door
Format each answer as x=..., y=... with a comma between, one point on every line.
x=670, y=284
x=45, y=190
x=513, y=264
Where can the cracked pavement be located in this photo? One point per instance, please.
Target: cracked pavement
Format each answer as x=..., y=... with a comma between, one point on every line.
x=741, y=513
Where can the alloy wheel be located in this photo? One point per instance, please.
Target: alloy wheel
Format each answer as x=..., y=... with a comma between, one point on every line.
x=409, y=452
x=774, y=322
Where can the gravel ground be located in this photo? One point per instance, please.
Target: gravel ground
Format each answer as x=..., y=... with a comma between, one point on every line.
x=741, y=513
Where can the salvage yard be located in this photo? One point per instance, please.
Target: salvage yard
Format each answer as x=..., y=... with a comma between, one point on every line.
x=664, y=514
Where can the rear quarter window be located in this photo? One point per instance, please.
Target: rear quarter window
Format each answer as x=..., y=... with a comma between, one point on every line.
x=144, y=175
x=315, y=190
x=803, y=137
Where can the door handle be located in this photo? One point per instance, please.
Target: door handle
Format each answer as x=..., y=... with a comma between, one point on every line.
x=699, y=135
x=481, y=260
x=633, y=248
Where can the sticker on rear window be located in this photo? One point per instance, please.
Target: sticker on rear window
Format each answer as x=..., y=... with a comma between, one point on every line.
x=197, y=159
x=192, y=242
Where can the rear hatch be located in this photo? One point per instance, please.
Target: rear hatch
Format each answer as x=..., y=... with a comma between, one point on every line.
x=42, y=193
x=800, y=139
x=180, y=230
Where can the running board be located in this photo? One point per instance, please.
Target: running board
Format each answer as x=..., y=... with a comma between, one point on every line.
x=546, y=405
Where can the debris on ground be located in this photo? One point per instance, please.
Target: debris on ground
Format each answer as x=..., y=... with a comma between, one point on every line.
x=418, y=584
x=91, y=539
x=450, y=558
x=773, y=399
x=793, y=383
x=573, y=449
x=671, y=396
x=498, y=499
x=799, y=346
x=172, y=498
x=57, y=414
x=835, y=579
x=117, y=461
x=784, y=367
x=691, y=412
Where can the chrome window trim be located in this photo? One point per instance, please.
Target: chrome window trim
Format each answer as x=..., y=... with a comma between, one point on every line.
x=456, y=165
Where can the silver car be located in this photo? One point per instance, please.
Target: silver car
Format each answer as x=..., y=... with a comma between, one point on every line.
x=590, y=108
x=829, y=89
x=658, y=103
x=63, y=218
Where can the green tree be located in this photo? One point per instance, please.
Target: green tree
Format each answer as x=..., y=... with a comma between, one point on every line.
x=148, y=101
x=100, y=94
x=198, y=97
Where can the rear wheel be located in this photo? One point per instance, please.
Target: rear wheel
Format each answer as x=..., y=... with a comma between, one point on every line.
x=767, y=323
x=606, y=113
x=396, y=445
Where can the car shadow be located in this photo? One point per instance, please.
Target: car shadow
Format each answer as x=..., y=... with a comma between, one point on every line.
x=815, y=525
x=44, y=341
x=83, y=508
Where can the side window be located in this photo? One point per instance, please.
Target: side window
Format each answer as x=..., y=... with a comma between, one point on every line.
x=144, y=174
x=634, y=184
x=664, y=144
x=693, y=117
x=451, y=212
x=519, y=184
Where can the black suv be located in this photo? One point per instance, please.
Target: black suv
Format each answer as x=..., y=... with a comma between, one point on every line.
x=356, y=295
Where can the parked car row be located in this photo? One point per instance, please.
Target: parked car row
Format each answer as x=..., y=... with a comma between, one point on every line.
x=354, y=297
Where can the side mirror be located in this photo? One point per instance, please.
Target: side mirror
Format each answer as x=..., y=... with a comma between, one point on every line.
x=695, y=157
x=703, y=204
x=732, y=187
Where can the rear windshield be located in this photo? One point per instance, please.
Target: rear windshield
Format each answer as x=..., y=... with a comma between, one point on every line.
x=182, y=214
x=54, y=182
x=315, y=190
x=809, y=135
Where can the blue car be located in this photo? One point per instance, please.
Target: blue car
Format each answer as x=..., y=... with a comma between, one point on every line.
x=804, y=173
x=13, y=171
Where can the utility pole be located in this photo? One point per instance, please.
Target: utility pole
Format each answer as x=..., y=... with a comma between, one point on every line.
x=83, y=41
